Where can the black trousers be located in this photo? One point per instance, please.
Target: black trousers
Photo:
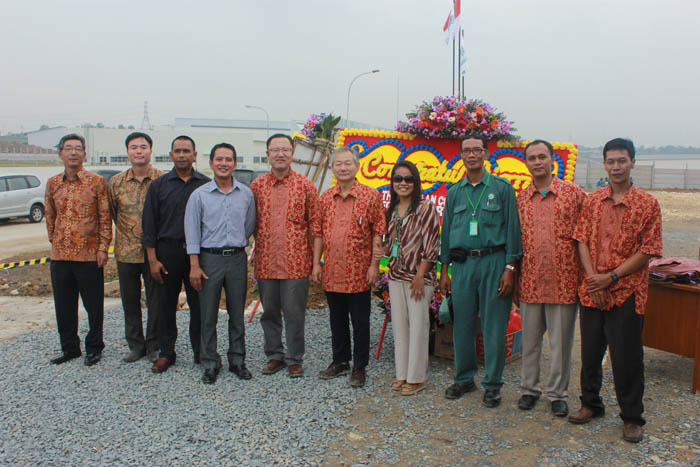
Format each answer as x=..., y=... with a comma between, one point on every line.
x=174, y=257
x=130, y=275
x=70, y=279
x=621, y=330
x=356, y=307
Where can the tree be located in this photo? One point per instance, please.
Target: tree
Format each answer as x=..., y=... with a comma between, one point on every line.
x=44, y=127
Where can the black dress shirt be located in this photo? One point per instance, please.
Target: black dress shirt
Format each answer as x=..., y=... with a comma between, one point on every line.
x=164, y=209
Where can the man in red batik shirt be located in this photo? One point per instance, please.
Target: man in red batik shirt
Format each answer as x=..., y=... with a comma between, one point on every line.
x=618, y=232
x=348, y=232
x=549, y=276
x=287, y=205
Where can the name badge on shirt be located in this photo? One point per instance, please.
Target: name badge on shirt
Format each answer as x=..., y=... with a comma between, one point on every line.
x=473, y=228
x=395, y=249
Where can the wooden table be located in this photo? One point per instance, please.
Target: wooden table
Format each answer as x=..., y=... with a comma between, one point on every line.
x=672, y=322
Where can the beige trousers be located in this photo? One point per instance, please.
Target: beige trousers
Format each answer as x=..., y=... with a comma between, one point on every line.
x=410, y=323
x=559, y=321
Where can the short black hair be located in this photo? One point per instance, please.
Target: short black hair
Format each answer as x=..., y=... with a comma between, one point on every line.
x=222, y=145
x=619, y=144
x=138, y=134
x=69, y=137
x=539, y=141
x=279, y=135
x=479, y=136
x=172, y=145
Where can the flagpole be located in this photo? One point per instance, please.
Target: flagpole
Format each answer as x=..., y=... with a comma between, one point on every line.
x=459, y=75
x=453, y=67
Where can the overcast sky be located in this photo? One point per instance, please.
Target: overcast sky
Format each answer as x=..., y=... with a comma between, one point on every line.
x=579, y=71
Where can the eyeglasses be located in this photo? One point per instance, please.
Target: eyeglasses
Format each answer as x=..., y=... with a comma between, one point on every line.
x=280, y=150
x=73, y=148
x=475, y=151
x=399, y=179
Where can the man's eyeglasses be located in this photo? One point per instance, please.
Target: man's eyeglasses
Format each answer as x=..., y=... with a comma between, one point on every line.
x=475, y=151
x=399, y=179
x=280, y=150
x=73, y=148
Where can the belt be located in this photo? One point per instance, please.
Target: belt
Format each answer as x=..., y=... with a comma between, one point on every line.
x=485, y=251
x=226, y=251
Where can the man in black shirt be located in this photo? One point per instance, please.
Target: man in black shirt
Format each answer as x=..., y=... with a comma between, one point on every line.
x=164, y=240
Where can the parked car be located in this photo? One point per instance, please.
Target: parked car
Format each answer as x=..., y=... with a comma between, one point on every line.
x=21, y=195
x=246, y=176
x=107, y=173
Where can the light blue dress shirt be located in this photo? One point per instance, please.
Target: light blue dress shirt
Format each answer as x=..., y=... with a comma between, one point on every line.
x=214, y=219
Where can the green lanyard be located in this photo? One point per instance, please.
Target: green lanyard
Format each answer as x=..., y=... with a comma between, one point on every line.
x=399, y=222
x=483, y=190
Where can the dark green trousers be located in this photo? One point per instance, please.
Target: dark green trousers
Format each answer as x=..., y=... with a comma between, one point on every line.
x=475, y=293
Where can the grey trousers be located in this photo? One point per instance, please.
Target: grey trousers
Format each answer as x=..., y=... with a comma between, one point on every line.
x=290, y=295
x=130, y=290
x=559, y=321
x=229, y=272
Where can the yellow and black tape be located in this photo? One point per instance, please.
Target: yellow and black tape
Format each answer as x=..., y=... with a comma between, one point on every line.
x=31, y=262
x=26, y=262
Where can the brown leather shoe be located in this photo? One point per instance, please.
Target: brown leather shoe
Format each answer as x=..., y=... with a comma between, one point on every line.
x=334, y=370
x=358, y=377
x=296, y=371
x=583, y=415
x=161, y=365
x=632, y=432
x=273, y=366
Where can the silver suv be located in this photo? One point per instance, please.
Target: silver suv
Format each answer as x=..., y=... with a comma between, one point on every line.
x=21, y=195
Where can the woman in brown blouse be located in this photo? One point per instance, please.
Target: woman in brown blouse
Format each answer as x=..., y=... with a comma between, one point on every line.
x=412, y=244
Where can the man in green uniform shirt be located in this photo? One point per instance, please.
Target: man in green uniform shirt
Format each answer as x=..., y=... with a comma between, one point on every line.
x=481, y=238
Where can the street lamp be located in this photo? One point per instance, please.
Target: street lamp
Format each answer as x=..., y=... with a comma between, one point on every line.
x=347, y=108
x=266, y=115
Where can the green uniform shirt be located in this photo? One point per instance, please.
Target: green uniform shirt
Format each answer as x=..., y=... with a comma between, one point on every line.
x=496, y=213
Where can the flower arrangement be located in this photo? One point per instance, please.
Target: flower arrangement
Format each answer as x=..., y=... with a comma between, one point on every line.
x=381, y=291
x=450, y=117
x=320, y=126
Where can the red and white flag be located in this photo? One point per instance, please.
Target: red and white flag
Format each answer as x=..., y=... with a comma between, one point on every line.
x=453, y=22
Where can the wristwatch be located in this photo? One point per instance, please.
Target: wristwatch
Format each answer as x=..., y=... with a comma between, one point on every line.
x=510, y=267
x=614, y=276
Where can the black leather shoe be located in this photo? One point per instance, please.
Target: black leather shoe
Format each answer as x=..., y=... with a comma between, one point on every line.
x=65, y=357
x=560, y=408
x=209, y=376
x=457, y=390
x=92, y=358
x=240, y=370
x=527, y=401
x=492, y=397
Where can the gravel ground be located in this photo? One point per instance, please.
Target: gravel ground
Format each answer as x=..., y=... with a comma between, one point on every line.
x=118, y=413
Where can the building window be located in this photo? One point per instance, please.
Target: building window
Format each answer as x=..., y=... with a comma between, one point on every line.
x=239, y=159
x=103, y=159
x=119, y=160
x=162, y=158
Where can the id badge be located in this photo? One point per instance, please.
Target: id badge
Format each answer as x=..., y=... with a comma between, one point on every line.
x=395, y=250
x=473, y=228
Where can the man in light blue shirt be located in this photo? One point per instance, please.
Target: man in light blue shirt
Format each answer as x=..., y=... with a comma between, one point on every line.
x=219, y=220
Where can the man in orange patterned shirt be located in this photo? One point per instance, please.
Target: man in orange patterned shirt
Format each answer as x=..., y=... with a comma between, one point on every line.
x=80, y=230
x=349, y=232
x=287, y=205
x=618, y=232
x=548, y=209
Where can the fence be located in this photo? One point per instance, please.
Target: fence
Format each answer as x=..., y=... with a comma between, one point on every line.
x=645, y=176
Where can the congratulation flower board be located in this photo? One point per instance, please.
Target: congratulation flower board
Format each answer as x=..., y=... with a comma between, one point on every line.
x=439, y=163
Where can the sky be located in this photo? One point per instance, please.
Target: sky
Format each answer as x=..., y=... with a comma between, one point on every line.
x=575, y=71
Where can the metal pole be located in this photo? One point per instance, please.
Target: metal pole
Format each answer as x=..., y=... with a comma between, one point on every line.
x=267, y=116
x=453, y=67
x=347, y=107
x=459, y=61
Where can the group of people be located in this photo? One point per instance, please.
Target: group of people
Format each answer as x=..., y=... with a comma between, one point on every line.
x=550, y=250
